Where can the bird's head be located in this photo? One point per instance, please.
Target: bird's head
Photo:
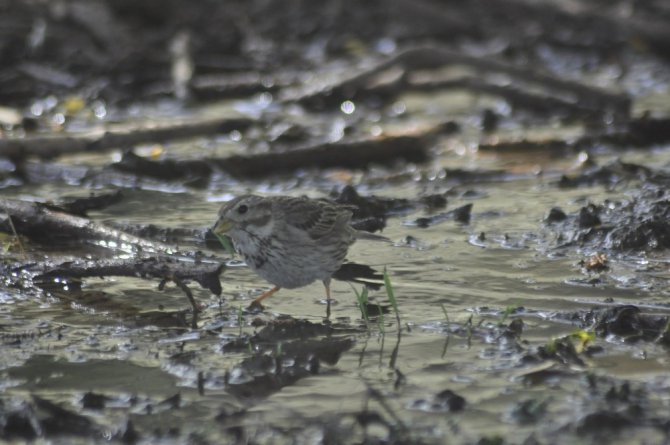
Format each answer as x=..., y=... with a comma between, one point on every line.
x=243, y=212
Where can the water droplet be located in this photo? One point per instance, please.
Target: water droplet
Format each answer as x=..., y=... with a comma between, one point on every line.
x=348, y=107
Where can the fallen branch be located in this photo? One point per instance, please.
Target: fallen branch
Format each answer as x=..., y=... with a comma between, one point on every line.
x=428, y=57
x=206, y=274
x=41, y=222
x=38, y=221
x=50, y=147
x=221, y=86
x=540, y=103
x=638, y=133
x=354, y=155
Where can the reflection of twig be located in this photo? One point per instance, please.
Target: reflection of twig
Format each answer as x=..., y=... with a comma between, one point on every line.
x=394, y=353
x=446, y=341
x=446, y=345
x=379, y=398
x=16, y=235
x=400, y=379
x=362, y=354
x=362, y=299
x=381, y=349
x=188, y=293
x=468, y=326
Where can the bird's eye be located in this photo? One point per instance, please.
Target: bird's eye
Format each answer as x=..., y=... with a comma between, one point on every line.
x=242, y=209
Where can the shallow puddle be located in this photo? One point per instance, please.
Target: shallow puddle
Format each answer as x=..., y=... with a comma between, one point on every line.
x=523, y=315
x=457, y=285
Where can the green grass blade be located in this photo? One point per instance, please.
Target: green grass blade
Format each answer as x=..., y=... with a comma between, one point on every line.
x=390, y=294
x=380, y=321
x=362, y=300
x=226, y=243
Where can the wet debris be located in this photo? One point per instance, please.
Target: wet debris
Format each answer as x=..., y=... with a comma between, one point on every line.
x=19, y=423
x=595, y=263
x=629, y=323
x=94, y=401
x=205, y=274
x=129, y=435
x=39, y=222
x=55, y=420
x=81, y=206
x=192, y=172
x=285, y=350
x=563, y=351
x=460, y=215
x=434, y=202
x=370, y=212
x=588, y=217
x=444, y=401
x=616, y=405
x=529, y=411
x=640, y=224
x=367, y=83
x=458, y=176
x=612, y=174
x=556, y=214
x=290, y=328
x=265, y=373
x=49, y=147
x=169, y=235
x=637, y=133
x=360, y=154
x=164, y=268
x=603, y=422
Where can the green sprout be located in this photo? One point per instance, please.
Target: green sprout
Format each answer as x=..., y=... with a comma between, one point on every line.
x=226, y=243
x=380, y=321
x=509, y=310
x=391, y=296
x=446, y=314
x=362, y=299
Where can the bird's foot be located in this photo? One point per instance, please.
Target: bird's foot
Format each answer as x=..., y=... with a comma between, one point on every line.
x=255, y=306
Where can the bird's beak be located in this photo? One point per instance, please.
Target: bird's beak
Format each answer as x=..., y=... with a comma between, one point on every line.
x=222, y=226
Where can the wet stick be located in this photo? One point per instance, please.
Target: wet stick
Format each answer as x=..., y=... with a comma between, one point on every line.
x=446, y=315
x=240, y=313
x=446, y=341
x=16, y=236
x=469, y=331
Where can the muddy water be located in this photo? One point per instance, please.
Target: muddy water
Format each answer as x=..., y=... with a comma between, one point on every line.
x=454, y=283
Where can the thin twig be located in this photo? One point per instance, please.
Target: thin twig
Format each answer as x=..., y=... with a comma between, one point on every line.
x=16, y=236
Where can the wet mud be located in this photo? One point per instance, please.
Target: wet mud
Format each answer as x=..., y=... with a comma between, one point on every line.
x=512, y=181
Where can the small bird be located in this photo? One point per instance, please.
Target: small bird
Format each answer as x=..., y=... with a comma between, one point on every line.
x=290, y=242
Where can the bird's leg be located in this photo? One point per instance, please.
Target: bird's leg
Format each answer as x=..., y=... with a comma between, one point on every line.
x=326, y=283
x=257, y=302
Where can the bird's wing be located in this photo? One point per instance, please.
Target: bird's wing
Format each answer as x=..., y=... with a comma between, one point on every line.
x=317, y=217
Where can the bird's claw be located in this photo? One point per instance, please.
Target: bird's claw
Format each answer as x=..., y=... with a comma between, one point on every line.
x=255, y=306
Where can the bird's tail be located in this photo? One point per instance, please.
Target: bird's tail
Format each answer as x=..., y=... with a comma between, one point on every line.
x=360, y=234
x=360, y=273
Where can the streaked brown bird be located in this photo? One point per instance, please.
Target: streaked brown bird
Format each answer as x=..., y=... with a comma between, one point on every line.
x=290, y=242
